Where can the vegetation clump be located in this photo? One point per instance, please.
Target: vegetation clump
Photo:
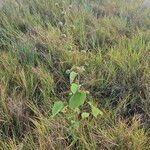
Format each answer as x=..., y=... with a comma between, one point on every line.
x=74, y=74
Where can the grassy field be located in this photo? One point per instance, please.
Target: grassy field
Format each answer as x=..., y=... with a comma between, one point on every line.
x=106, y=44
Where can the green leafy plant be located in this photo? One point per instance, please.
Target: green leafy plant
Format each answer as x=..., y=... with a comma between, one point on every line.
x=85, y=115
x=74, y=88
x=77, y=100
x=73, y=75
x=58, y=106
x=95, y=111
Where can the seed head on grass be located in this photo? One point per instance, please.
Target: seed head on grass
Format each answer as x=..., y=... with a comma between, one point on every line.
x=60, y=24
x=63, y=35
x=15, y=108
x=63, y=13
x=56, y=4
x=70, y=7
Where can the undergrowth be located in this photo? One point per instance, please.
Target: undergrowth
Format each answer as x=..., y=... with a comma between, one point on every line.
x=74, y=74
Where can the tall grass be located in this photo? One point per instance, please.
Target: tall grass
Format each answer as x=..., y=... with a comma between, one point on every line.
x=40, y=40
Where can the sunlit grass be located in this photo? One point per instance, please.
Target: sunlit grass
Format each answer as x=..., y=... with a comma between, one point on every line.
x=108, y=40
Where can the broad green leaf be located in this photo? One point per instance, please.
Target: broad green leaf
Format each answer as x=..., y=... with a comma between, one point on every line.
x=77, y=99
x=95, y=111
x=72, y=76
x=85, y=115
x=58, y=106
x=74, y=88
